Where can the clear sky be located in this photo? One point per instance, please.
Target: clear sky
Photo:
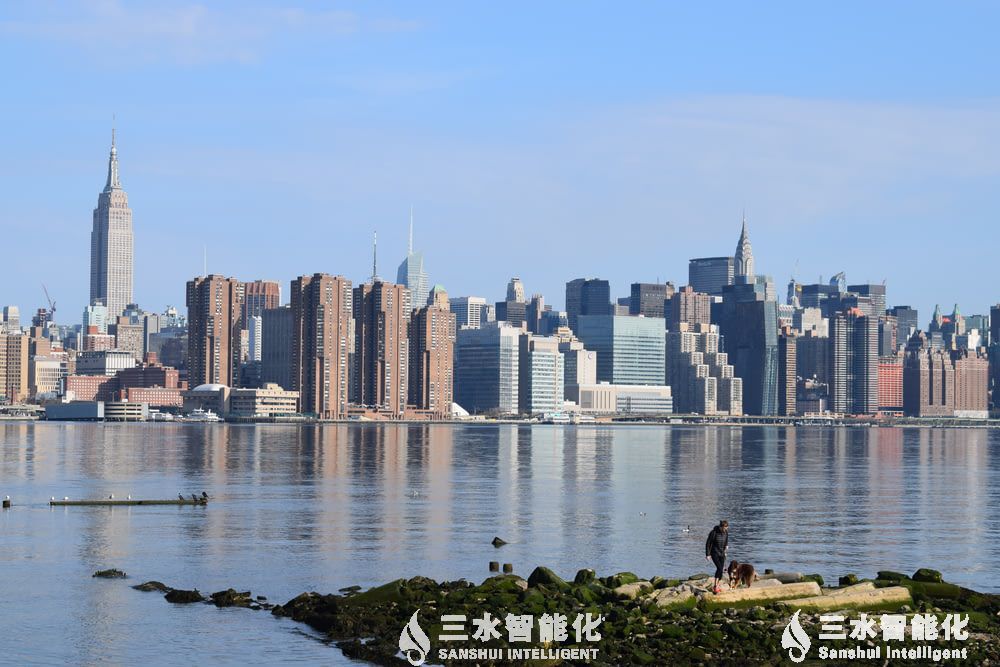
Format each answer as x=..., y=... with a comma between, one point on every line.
x=544, y=140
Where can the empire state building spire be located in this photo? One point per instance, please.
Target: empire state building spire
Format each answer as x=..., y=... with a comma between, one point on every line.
x=113, y=182
x=111, y=243
x=743, y=261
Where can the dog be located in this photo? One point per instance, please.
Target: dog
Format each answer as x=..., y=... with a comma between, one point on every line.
x=741, y=574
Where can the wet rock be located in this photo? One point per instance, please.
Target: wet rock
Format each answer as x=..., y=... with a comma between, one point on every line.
x=543, y=576
x=497, y=542
x=149, y=586
x=179, y=596
x=818, y=578
x=848, y=580
x=348, y=590
x=633, y=590
x=620, y=579
x=927, y=575
x=889, y=575
x=584, y=576
x=110, y=574
x=231, y=598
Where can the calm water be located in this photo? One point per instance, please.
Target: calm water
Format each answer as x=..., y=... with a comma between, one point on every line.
x=320, y=508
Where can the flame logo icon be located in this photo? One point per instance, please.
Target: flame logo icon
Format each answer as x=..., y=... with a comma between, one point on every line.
x=413, y=641
x=795, y=639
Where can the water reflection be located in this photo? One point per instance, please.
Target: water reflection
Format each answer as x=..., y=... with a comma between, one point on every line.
x=321, y=507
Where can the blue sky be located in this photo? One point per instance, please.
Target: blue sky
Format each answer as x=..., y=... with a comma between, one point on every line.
x=543, y=140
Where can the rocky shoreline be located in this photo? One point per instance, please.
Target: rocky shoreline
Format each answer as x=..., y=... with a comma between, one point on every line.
x=653, y=621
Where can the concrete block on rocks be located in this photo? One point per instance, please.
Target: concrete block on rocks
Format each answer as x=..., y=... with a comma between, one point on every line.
x=862, y=597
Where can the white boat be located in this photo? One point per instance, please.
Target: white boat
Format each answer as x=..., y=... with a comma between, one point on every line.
x=199, y=415
x=157, y=416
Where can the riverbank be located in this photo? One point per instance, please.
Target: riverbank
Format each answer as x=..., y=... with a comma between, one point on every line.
x=642, y=621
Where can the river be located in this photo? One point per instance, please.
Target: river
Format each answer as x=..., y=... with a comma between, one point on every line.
x=321, y=507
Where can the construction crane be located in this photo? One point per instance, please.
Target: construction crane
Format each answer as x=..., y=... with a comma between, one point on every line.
x=52, y=304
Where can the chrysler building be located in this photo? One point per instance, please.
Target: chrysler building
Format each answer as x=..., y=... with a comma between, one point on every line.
x=111, y=243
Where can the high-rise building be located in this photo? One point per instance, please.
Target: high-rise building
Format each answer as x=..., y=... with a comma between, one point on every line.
x=710, y=274
x=321, y=307
x=13, y=368
x=854, y=360
x=890, y=383
x=540, y=375
x=906, y=323
x=533, y=313
x=255, y=337
x=579, y=367
x=10, y=320
x=514, y=313
x=470, y=311
x=258, y=296
x=944, y=383
x=748, y=321
x=487, y=368
x=630, y=350
x=432, y=352
x=129, y=337
x=277, y=325
x=688, y=307
x=701, y=379
x=96, y=315
x=515, y=290
x=381, y=346
x=215, y=306
x=874, y=292
x=587, y=296
x=411, y=273
x=787, y=372
x=743, y=258
x=649, y=299
x=111, y=243
x=994, y=354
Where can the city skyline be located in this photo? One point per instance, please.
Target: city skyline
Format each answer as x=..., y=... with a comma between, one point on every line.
x=871, y=147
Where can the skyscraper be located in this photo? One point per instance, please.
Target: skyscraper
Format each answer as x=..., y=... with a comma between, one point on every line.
x=854, y=363
x=748, y=321
x=587, y=296
x=649, y=299
x=411, y=273
x=381, y=346
x=111, y=243
x=432, y=348
x=215, y=307
x=743, y=259
x=470, y=311
x=688, y=306
x=630, y=350
x=321, y=325
x=487, y=368
x=276, y=343
x=540, y=375
x=710, y=274
x=258, y=296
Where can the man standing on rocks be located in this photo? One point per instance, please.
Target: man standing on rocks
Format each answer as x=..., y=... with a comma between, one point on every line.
x=715, y=550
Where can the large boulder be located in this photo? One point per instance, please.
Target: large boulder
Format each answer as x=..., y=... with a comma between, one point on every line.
x=633, y=590
x=927, y=575
x=179, y=596
x=620, y=579
x=584, y=576
x=543, y=576
x=784, y=577
x=672, y=598
x=231, y=598
x=149, y=586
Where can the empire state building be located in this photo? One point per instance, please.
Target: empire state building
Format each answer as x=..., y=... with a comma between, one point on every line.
x=111, y=243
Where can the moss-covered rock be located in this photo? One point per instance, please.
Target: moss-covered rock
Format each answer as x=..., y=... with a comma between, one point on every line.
x=848, y=580
x=543, y=576
x=584, y=576
x=149, y=586
x=620, y=579
x=927, y=575
x=818, y=578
